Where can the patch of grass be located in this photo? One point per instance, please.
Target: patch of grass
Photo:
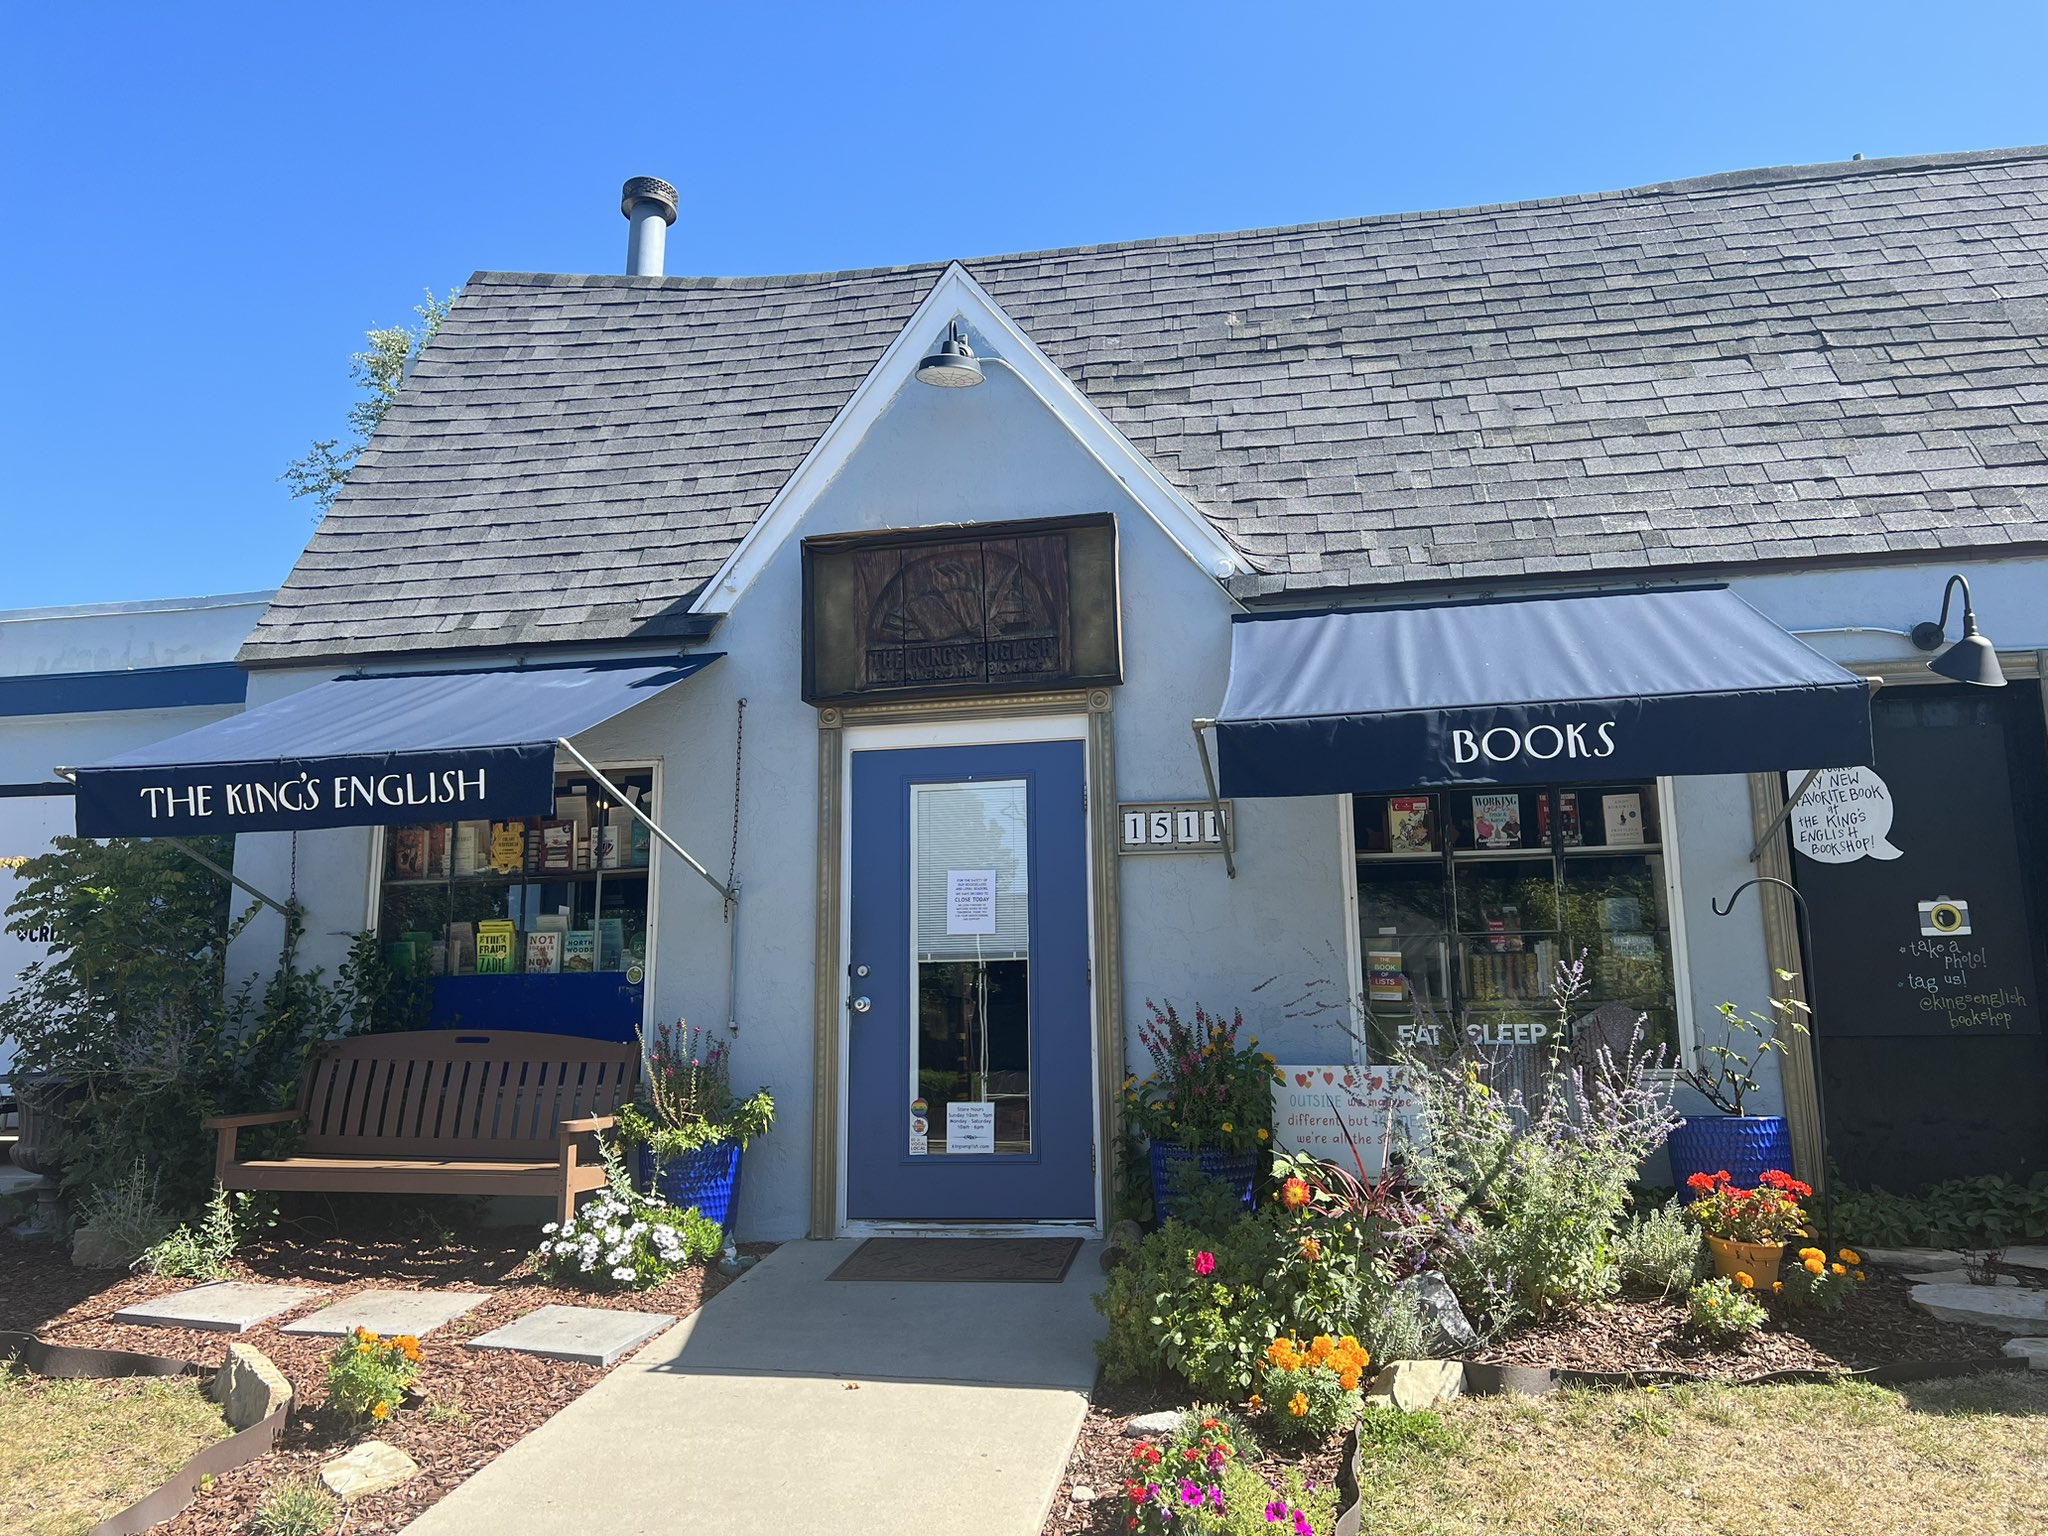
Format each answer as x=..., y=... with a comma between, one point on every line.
x=1929, y=1459
x=74, y=1452
x=301, y=1507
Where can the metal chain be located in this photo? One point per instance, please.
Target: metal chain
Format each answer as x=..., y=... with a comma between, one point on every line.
x=739, y=741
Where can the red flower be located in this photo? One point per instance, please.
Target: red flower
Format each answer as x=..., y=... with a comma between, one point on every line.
x=1205, y=1263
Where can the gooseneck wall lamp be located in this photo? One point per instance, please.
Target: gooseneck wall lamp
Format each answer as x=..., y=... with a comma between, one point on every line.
x=1972, y=659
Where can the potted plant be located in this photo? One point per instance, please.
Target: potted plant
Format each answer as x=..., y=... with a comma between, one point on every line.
x=688, y=1128
x=1208, y=1100
x=1747, y=1228
x=1725, y=1076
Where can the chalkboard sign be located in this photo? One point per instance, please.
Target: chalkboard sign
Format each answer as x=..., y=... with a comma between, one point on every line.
x=1927, y=967
x=1938, y=940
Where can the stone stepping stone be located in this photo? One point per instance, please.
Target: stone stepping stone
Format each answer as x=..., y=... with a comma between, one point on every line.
x=2033, y=1351
x=226, y=1306
x=370, y=1467
x=390, y=1312
x=1934, y=1277
x=2031, y=1256
x=2009, y=1309
x=580, y=1335
x=1911, y=1259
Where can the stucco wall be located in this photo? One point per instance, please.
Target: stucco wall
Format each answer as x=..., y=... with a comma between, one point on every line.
x=105, y=637
x=1275, y=941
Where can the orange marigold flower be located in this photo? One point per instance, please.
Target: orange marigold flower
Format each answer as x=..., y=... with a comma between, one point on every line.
x=380, y=1410
x=1839, y=1269
x=1850, y=1256
x=1814, y=1266
x=1298, y=1405
x=1255, y=1402
x=1743, y=1279
x=1777, y=1287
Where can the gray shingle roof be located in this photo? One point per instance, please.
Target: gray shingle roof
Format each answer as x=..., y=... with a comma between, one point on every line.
x=1833, y=361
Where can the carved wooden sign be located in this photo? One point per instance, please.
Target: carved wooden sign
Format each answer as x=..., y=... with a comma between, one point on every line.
x=973, y=610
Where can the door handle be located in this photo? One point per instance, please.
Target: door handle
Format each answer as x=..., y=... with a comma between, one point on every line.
x=862, y=1004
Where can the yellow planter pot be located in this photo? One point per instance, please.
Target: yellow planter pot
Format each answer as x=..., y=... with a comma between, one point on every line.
x=1759, y=1261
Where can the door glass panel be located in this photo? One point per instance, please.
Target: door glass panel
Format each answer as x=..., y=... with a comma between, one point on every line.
x=970, y=925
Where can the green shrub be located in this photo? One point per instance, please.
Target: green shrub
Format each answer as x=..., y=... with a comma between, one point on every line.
x=300, y=1507
x=1196, y=1306
x=1400, y=1331
x=202, y=1249
x=133, y=1010
x=1723, y=1311
x=1660, y=1250
x=1987, y=1211
x=125, y=1213
x=368, y=1375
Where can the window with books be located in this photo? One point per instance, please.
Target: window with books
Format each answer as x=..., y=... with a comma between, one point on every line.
x=1469, y=899
x=538, y=923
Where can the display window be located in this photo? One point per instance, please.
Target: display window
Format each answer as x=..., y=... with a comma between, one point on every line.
x=1468, y=900
x=507, y=918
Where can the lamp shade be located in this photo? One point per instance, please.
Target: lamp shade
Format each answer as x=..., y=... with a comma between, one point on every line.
x=951, y=364
x=1971, y=659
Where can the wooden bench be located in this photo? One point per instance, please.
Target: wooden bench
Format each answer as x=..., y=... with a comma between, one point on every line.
x=446, y=1112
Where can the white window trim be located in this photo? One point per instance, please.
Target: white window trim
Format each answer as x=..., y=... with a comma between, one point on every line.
x=374, y=913
x=952, y=733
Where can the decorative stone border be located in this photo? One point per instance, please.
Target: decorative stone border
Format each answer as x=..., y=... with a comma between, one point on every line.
x=68, y=1362
x=1483, y=1380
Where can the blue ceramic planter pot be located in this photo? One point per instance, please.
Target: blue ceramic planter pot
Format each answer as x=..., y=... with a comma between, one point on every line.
x=704, y=1178
x=1745, y=1145
x=1239, y=1170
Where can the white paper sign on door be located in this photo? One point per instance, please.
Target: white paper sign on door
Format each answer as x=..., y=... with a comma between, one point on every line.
x=1845, y=816
x=971, y=901
x=970, y=1128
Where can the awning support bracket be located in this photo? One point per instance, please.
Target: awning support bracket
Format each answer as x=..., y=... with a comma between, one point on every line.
x=730, y=893
x=1215, y=801
x=286, y=909
x=1764, y=837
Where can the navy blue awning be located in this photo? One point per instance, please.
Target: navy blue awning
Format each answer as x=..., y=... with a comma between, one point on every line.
x=1605, y=686
x=370, y=751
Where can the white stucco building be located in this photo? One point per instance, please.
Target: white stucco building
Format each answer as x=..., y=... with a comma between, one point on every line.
x=1821, y=389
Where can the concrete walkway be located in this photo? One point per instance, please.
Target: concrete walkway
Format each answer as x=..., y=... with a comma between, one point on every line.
x=790, y=1404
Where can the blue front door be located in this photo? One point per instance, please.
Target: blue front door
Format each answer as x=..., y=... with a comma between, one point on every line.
x=970, y=1082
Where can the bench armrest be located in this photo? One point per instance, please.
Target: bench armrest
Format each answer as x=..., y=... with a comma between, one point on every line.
x=588, y=1123
x=267, y=1117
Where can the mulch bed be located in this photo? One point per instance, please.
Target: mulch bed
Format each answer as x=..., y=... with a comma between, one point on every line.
x=1101, y=1462
x=1630, y=1335
x=478, y=1402
x=1880, y=1326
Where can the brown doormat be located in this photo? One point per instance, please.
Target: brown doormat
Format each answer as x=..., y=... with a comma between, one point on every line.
x=999, y=1260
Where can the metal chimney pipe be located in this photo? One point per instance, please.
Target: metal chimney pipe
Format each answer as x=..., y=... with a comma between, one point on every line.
x=649, y=204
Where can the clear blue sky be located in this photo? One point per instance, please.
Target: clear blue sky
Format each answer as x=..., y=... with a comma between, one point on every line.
x=203, y=206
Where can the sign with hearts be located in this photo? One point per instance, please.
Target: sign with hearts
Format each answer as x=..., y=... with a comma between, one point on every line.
x=1343, y=1115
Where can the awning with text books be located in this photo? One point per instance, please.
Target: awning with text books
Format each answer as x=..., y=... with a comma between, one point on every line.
x=371, y=750
x=1529, y=691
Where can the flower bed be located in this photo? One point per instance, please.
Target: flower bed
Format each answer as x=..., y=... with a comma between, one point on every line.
x=473, y=1404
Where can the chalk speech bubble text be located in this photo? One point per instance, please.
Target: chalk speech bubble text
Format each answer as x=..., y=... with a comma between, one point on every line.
x=1845, y=816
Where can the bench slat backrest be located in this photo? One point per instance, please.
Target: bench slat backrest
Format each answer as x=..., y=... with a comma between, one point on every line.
x=459, y=1093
